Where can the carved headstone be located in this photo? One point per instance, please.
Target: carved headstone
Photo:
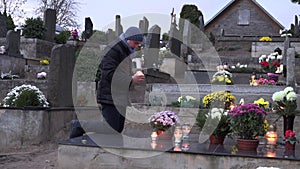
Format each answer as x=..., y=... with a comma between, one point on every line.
x=119, y=27
x=50, y=24
x=296, y=27
x=286, y=45
x=152, y=46
x=3, y=29
x=110, y=36
x=174, y=41
x=88, y=28
x=60, y=76
x=13, y=43
x=290, y=67
x=186, y=39
x=144, y=25
x=201, y=25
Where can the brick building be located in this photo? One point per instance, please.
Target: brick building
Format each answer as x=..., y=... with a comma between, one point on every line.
x=243, y=18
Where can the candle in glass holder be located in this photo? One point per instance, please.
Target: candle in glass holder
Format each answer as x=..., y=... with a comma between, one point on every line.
x=186, y=128
x=178, y=134
x=271, y=153
x=153, y=136
x=271, y=136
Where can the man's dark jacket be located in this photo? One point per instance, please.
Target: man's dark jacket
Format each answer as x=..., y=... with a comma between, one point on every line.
x=114, y=75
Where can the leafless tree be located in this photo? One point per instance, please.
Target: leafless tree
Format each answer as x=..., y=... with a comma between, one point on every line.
x=12, y=7
x=66, y=11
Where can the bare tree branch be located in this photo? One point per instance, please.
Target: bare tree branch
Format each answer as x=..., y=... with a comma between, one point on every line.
x=66, y=11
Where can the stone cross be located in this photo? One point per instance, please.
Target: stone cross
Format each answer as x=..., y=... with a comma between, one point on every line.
x=152, y=46
x=13, y=43
x=118, y=26
x=61, y=76
x=88, y=28
x=50, y=24
x=3, y=29
x=290, y=67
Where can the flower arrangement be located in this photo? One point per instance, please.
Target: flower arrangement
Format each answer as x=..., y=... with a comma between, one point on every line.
x=44, y=62
x=290, y=137
x=220, y=99
x=247, y=121
x=164, y=52
x=9, y=75
x=25, y=95
x=222, y=77
x=163, y=120
x=270, y=63
x=187, y=101
x=265, y=82
x=41, y=75
x=285, y=101
x=265, y=39
x=214, y=122
x=262, y=103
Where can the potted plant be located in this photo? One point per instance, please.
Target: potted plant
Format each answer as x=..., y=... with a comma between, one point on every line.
x=270, y=64
x=286, y=104
x=214, y=123
x=290, y=140
x=247, y=122
x=219, y=99
x=222, y=77
x=161, y=122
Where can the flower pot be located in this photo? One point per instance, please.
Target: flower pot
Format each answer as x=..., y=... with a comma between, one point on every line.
x=273, y=76
x=164, y=135
x=288, y=123
x=289, y=146
x=216, y=139
x=249, y=145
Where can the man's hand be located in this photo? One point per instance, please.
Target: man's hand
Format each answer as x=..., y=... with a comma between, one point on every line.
x=138, y=77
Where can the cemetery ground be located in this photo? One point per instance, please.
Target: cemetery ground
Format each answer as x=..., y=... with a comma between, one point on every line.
x=39, y=156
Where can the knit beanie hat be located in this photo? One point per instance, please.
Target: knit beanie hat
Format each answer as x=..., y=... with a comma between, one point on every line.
x=133, y=33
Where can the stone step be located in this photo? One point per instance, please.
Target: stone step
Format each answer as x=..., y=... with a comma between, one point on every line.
x=170, y=92
x=207, y=88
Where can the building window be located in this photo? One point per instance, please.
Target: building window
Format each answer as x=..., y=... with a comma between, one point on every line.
x=244, y=17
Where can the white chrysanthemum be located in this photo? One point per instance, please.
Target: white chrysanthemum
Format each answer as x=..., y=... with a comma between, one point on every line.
x=278, y=96
x=216, y=113
x=179, y=99
x=15, y=93
x=272, y=57
x=291, y=96
x=279, y=57
x=287, y=90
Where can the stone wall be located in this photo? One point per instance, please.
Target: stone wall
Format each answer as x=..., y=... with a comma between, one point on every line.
x=33, y=48
x=36, y=48
x=20, y=127
x=265, y=48
x=14, y=64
